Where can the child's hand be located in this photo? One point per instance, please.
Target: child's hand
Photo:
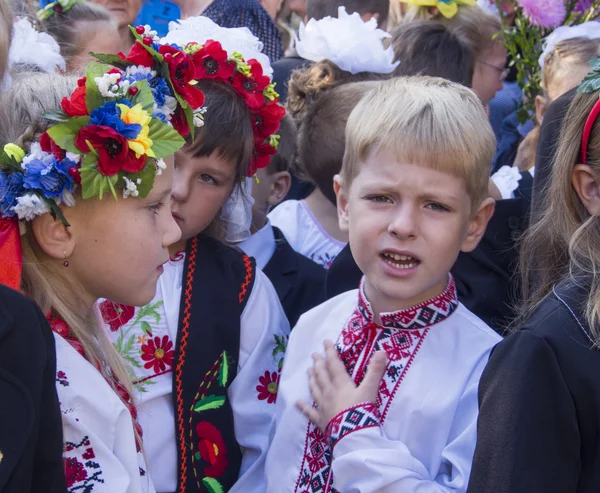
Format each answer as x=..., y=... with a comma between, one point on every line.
x=333, y=389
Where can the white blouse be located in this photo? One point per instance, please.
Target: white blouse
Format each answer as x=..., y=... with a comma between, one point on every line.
x=99, y=443
x=421, y=434
x=146, y=339
x=304, y=233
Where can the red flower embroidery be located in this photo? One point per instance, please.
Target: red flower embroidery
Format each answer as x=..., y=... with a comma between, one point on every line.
x=251, y=88
x=158, y=354
x=211, y=62
x=181, y=68
x=74, y=471
x=75, y=105
x=211, y=449
x=115, y=314
x=138, y=55
x=269, y=384
x=114, y=154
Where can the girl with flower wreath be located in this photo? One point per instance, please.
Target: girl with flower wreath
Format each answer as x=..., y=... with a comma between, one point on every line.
x=86, y=172
x=205, y=354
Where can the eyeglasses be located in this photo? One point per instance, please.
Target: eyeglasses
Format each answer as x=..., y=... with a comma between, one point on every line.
x=503, y=71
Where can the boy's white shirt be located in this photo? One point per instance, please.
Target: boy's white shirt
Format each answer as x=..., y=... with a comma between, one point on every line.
x=427, y=439
x=304, y=233
x=263, y=319
x=261, y=245
x=97, y=429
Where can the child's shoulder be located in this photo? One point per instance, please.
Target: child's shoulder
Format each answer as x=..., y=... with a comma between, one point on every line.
x=469, y=326
x=330, y=314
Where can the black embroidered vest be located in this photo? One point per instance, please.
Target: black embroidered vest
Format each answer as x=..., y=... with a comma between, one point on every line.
x=217, y=282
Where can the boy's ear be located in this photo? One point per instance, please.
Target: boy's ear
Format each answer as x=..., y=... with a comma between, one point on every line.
x=341, y=194
x=53, y=237
x=585, y=183
x=477, y=225
x=281, y=181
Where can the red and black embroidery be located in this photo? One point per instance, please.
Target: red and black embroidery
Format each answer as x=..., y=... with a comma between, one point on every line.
x=358, y=417
x=82, y=472
x=401, y=336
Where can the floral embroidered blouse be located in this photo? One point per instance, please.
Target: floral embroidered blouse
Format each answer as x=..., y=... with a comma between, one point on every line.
x=100, y=449
x=421, y=433
x=146, y=339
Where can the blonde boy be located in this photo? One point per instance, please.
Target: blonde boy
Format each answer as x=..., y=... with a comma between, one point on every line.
x=391, y=405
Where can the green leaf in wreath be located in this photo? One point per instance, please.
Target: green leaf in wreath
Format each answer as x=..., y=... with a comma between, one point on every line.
x=591, y=83
x=89, y=176
x=64, y=133
x=114, y=60
x=209, y=402
x=93, y=98
x=146, y=176
x=144, y=96
x=165, y=139
x=212, y=485
x=57, y=115
x=55, y=210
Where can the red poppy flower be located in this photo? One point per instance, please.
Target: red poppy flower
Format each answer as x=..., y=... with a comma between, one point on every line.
x=114, y=154
x=75, y=105
x=48, y=145
x=138, y=55
x=115, y=314
x=181, y=69
x=74, y=471
x=251, y=88
x=179, y=122
x=211, y=62
x=158, y=353
x=269, y=384
x=266, y=120
x=211, y=448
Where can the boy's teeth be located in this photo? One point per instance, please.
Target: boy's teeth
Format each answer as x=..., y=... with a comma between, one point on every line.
x=394, y=259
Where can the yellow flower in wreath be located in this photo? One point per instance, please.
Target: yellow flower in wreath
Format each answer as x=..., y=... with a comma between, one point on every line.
x=448, y=8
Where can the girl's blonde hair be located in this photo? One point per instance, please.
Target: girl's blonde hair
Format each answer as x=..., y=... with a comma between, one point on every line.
x=65, y=29
x=5, y=35
x=22, y=122
x=565, y=240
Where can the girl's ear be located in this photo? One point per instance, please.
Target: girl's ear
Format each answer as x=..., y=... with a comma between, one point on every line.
x=540, y=108
x=53, y=237
x=585, y=183
x=341, y=194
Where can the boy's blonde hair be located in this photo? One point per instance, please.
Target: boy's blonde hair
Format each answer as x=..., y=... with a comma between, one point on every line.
x=428, y=121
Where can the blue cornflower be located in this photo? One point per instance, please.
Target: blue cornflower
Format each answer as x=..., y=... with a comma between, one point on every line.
x=109, y=115
x=10, y=186
x=160, y=90
x=51, y=178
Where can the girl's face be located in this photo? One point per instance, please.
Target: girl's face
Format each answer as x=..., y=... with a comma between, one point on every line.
x=488, y=75
x=200, y=188
x=124, y=11
x=95, y=37
x=119, y=246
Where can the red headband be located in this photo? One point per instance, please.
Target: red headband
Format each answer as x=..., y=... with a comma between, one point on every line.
x=11, y=253
x=587, y=130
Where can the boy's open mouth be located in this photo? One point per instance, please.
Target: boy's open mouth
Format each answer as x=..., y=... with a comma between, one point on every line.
x=400, y=261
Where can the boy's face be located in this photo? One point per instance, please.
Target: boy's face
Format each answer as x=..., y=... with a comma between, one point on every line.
x=406, y=225
x=200, y=188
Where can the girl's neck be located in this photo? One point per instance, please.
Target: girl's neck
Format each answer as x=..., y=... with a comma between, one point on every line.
x=191, y=8
x=326, y=213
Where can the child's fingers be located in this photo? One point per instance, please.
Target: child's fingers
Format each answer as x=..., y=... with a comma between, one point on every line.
x=375, y=372
x=337, y=370
x=315, y=389
x=310, y=412
x=321, y=373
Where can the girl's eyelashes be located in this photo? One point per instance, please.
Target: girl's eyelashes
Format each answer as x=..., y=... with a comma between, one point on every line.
x=155, y=208
x=207, y=179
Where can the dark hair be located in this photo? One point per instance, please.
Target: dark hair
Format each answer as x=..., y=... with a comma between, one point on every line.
x=321, y=139
x=318, y=9
x=227, y=129
x=307, y=83
x=430, y=48
x=282, y=161
x=63, y=26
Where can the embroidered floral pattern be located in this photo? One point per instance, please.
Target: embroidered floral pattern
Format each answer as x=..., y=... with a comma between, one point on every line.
x=401, y=336
x=211, y=449
x=158, y=353
x=82, y=472
x=115, y=314
x=268, y=383
x=61, y=378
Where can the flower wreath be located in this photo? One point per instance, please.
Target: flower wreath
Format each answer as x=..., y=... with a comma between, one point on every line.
x=192, y=62
x=448, y=8
x=58, y=7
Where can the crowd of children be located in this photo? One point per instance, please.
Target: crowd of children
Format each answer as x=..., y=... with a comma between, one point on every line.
x=223, y=270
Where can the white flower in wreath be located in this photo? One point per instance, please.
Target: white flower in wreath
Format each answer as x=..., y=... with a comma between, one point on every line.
x=29, y=206
x=108, y=85
x=130, y=188
x=160, y=166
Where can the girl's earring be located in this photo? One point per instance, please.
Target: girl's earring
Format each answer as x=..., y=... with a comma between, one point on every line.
x=65, y=261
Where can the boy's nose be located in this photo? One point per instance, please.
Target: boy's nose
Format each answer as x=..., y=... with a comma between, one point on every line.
x=403, y=224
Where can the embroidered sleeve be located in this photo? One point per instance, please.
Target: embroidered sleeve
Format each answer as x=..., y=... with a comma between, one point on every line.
x=364, y=415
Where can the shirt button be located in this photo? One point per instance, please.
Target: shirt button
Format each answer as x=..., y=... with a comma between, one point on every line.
x=513, y=222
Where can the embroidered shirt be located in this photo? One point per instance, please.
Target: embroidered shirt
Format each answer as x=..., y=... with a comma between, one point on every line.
x=420, y=434
x=146, y=337
x=304, y=233
x=100, y=450
x=261, y=245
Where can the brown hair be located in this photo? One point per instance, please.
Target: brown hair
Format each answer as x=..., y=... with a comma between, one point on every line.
x=319, y=9
x=565, y=241
x=425, y=120
x=5, y=35
x=282, y=161
x=321, y=140
x=431, y=48
x=308, y=82
x=65, y=29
